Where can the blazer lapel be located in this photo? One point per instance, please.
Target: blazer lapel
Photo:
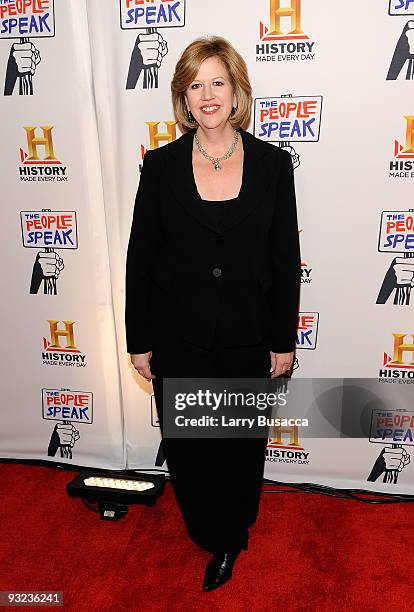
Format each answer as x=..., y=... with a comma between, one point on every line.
x=257, y=172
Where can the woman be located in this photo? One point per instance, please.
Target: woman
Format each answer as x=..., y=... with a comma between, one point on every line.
x=213, y=275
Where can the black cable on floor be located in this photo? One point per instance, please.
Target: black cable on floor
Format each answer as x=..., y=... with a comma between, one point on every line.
x=308, y=487
x=375, y=497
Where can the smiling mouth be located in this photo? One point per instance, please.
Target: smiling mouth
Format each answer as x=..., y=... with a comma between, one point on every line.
x=209, y=110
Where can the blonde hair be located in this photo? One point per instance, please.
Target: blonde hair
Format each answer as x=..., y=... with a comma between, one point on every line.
x=187, y=67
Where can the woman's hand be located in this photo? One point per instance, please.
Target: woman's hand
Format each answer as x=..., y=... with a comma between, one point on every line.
x=281, y=363
x=141, y=363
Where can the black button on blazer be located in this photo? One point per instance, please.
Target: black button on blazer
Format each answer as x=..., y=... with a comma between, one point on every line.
x=173, y=252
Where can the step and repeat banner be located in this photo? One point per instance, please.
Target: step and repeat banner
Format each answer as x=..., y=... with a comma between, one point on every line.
x=86, y=94
x=60, y=376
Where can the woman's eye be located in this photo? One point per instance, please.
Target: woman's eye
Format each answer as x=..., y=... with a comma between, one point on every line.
x=196, y=85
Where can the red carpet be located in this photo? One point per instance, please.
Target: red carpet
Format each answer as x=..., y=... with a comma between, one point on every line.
x=307, y=552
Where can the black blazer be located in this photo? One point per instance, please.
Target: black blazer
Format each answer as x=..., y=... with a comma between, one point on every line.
x=181, y=270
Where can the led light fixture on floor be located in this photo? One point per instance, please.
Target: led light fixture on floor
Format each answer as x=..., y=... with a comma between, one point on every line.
x=113, y=491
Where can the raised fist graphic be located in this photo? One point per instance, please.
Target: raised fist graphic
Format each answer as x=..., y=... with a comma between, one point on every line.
x=64, y=436
x=148, y=53
x=390, y=462
x=23, y=60
x=403, y=51
x=47, y=268
x=399, y=277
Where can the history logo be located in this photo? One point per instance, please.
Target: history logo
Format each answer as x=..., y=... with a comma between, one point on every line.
x=305, y=273
x=67, y=409
x=402, y=164
x=281, y=36
x=158, y=135
x=288, y=119
x=39, y=162
x=150, y=46
x=48, y=231
x=396, y=236
x=24, y=20
x=284, y=446
x=305, y=270
x=399, y=366
x=60, y=349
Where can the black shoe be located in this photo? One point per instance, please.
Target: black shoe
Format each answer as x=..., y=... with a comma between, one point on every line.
x=219, y=569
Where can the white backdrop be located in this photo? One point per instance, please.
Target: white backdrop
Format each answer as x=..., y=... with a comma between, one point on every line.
x=94, y=81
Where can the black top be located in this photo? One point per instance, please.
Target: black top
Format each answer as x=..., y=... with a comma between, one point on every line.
x=216, y=209
x=190, y=303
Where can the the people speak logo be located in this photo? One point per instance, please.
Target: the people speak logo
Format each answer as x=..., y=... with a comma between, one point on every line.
x=60, y=349
x=307, y=330
x=288, y=119
x=39, y=162
x=47, y=230
x=401, y=7
x=399, y=367
x=150, y=46
x=396, y=236
x=158, y=136
x=284, y=446
x=394, y=428
x=24, y=20
x=402, y=165
x=66, y=408
x=283, y=39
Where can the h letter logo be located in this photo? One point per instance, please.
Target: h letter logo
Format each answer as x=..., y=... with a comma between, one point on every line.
x=400, y=348
x=277, y=12
x=409, y=138
x=35, y=141
x=67, y=333
x=276, y=439
x=155, y=136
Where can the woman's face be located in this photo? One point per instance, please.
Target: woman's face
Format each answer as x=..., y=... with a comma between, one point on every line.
x=210, y=96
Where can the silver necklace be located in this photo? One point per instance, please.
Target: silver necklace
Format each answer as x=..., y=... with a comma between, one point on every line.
x=216, y=160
